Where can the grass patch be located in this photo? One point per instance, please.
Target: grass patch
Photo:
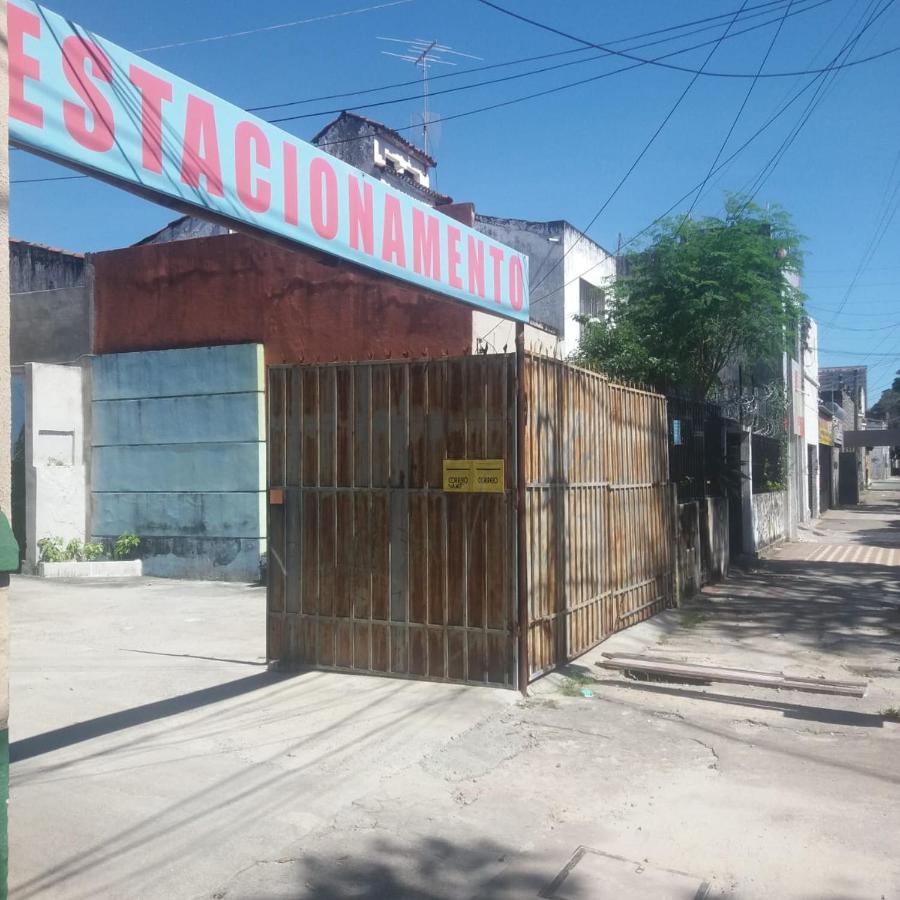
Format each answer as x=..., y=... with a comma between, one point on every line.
x=573, y=685
x=891, y=712
x=691, y=618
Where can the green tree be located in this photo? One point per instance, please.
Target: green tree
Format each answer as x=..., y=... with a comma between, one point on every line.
x=699, y=294
x=888, y=405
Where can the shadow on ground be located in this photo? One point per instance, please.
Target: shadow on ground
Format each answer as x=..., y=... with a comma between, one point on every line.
x=429, y=869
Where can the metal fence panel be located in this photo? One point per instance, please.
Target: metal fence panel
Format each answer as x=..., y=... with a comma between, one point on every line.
x=598, y=509
x=372, y=567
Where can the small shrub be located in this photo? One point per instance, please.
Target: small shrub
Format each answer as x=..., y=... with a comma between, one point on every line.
x=74, y=550
x=51, y=549
x=126, y=546
x=92, y=551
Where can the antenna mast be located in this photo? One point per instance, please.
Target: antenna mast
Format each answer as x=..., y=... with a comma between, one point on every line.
x=424, y=54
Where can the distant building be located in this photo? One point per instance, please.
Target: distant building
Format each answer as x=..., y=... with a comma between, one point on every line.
x=568, y=273
x=843, y=391
x=383, y=153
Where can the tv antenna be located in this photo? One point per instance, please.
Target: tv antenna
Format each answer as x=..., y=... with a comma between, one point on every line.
x=424, y=54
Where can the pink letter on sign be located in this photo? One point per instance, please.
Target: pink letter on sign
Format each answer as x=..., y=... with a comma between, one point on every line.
x=247, y=136
x=393, y=246
x=291, y=202
x=201, y=147
x=362, y=216
x=453, y=257
x=22, y=66
x=426, y=245
x=153, y=92
x=516, y=283
x=79, y=55
x=323, y=213
x=497, y=259
x=476, y=266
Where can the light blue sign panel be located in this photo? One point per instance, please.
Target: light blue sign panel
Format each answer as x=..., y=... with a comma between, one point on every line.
x=83, y=100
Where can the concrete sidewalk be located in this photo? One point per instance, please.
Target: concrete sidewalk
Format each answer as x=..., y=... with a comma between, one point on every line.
x=155, y=757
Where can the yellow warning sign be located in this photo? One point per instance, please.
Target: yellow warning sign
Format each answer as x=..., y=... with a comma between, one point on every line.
x=474, y=476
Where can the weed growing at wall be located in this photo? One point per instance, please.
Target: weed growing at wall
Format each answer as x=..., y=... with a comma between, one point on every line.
x=126, y=546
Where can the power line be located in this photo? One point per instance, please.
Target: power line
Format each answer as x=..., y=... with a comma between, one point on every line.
x=531, y=72
x=894, y=355
x=778, y=114
x=812, y=62
x=873, y=328
x=51, y=178
x=582, y=233
x=860, y=315
x=775, y=4
x=657, y=61
x=738, y=114
x=249, y=31
x=515, y=100
x=876, y=238
x=476, y=111
x=769, y=168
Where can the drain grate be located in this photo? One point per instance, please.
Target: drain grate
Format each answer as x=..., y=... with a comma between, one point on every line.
x=593, y=875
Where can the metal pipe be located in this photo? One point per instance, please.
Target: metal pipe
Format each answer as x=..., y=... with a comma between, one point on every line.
x=521, y=519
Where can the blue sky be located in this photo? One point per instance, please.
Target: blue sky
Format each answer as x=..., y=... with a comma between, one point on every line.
x=558, y=156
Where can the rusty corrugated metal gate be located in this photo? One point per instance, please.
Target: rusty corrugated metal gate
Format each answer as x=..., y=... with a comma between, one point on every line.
x=374, y=568
x=598, y=509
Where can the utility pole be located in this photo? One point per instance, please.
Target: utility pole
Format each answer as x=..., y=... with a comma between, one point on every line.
x=5, y=448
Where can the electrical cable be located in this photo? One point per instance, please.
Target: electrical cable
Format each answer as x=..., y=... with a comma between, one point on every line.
x=540, y=71
x=775, y=4
x=516, y=100
x=770, y=166
x=234, y=34
x=872, y=246
x=757, y=133
x=643, y=60
x=582, y=233
x=737, y=116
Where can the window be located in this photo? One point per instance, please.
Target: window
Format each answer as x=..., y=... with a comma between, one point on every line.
x=592, y=300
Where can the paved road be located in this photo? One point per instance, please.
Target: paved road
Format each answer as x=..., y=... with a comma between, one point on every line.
x=156, y=758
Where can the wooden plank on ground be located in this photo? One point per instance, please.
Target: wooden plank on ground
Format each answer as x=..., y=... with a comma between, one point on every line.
x=752, y=677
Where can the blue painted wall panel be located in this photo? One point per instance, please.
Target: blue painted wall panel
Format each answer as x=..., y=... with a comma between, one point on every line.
x=180, y=420
x=208, y=515
x=179, y=467
x=179, y=458
x=178, y=373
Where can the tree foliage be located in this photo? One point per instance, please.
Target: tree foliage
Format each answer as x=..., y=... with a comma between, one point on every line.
x=699, y=294
x=888, y=405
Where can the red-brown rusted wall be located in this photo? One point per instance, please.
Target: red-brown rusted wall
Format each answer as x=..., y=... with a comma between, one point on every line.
x=302, y=305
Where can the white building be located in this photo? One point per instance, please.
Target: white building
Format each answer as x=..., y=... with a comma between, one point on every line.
x=568, y=274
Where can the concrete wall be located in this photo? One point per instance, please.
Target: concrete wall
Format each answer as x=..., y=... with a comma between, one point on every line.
x=302, y=306
x=714, y=538
x=55, y=490
x=688, y=565
x=585, y=261
x=383, y=153
x=51, y=305
x=769, y=517
x=491, y=334
x=543, y=242
x=558, y=259
x=810, y=365
x=179, y=458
